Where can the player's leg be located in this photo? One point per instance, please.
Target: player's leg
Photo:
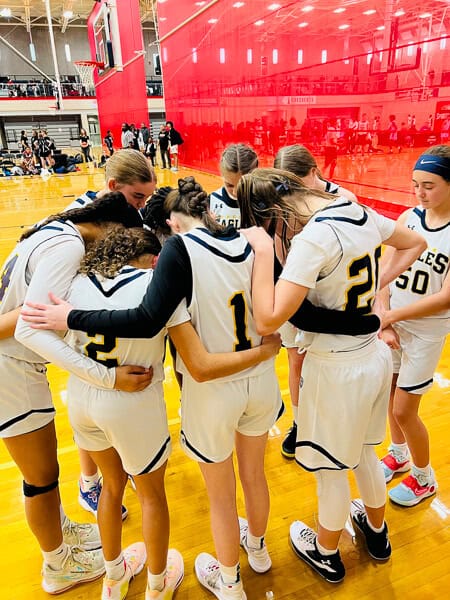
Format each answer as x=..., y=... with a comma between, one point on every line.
x=250, y=452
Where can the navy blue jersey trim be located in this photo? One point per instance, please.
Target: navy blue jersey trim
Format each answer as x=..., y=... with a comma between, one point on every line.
x=281, y=411
x=228, y=233
x=411, y=388
x=152, y=463
x=25, y=416
x=422, y=215
x=324, y=452
x=333, y=205
x=234, y=259
x=120, y=284
x=51, y=228
x=192, y=449
x=357, y=222
x=322, y=468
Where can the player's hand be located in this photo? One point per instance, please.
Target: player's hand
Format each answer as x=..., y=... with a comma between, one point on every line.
x=270, y=345
x=258, y=238
x=130, y=378
x=47, y=316
x=390, y=337
x=387, y=319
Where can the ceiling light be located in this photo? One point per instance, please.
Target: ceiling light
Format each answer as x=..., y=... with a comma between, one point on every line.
x=339, y=10
x=399, y=13
x=344, y=26
x=307, y=8
x=5, y=12
x=371, y=11
x=425, y=15
x=259, y=23
x=380, y=28
x=304, y=24
x=212, y=21
x=200, y=3
x=274, y=6
x=68, y=14
x=238, y=4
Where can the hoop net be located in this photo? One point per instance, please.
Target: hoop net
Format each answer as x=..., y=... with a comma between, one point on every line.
x=85, y=70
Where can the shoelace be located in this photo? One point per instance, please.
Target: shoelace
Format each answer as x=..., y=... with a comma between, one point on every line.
x=398, y=455
x=308, y=535
x=81, y=557
x=212, y=574
x=77, y=529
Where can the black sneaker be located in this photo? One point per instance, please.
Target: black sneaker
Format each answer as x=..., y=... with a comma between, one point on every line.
x=288, y=445
x=378, y=545
x=303, y=541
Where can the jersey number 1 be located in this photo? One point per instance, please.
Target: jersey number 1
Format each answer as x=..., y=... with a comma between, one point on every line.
x=239, y=309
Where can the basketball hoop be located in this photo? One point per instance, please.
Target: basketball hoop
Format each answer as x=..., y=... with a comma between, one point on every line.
x=85, y=69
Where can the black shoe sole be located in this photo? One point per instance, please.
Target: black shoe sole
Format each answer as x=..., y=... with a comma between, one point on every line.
x=312, y=565
x=288, y=455
x=363, y=535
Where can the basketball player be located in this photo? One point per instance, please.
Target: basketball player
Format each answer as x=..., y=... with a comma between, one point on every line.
x=346, y=378
x=220, y=308
x=236, y=160
x=127, y=171
x=420, y=314
x=48, y=256
x=298, y=160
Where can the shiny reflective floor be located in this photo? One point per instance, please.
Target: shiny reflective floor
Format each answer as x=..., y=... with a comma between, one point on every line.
x=420, y=536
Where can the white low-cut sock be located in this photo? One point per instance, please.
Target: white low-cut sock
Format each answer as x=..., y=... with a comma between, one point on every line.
x=55, y=558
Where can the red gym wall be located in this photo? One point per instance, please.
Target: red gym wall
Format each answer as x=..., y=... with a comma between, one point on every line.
x=228, y=79
x=122, y=95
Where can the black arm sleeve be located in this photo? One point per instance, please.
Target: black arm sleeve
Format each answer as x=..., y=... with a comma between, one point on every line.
x=323, y=320
x=171, y=282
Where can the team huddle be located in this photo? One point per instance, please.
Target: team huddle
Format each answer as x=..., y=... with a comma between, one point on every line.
x=274, y=250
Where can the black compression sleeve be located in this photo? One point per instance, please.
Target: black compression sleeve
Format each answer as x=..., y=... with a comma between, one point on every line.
x=323, y=320
x=171, y=282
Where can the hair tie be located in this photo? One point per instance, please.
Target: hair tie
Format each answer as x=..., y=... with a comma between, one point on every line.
x=283, y=187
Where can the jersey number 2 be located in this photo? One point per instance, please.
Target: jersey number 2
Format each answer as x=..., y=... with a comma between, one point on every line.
x=355, y=294
x=95, y=349
x=239, y=309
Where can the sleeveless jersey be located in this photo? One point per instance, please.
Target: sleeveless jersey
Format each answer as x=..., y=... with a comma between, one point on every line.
x=331, y=187
x=425, y=277
x=225, y=208
x=86, y=198
x=337, y=256
x=221, y=304
x=16, y=273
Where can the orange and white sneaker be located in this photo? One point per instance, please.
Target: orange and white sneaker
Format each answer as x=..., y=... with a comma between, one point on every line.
x=174, y=577
x=135, y=557
x=394, y=462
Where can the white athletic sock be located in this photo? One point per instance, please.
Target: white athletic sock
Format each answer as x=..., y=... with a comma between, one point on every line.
x=115, y=569
x=401, y=449
x=255, y=542
x=156, y=582
x=89, y=482
x=423, y=471
x=324, y=551
x=62, y=515
x=230, y=575
x=55, y=558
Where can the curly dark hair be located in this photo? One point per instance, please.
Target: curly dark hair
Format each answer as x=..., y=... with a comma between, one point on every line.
x=110, y=208
x=190, y=199
x=108, y=255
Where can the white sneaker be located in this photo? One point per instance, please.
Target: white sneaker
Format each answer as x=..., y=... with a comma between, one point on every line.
x=174, y=577
x=78, y=567
x=208, y=573
x=84, y=535
x=135, y=557
x=258, y=558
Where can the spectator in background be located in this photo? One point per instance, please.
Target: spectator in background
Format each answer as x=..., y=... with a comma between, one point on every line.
x=108, y=140
x=163, y=143
x=150, y=150
x=144, y=135
x=175, y=140
x=23, y=140
x=85, y=145
x=127, y=136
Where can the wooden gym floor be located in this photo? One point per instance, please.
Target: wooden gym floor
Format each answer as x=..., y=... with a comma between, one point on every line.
x=420, y=536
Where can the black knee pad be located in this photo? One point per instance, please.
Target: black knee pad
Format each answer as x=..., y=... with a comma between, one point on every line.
x=29, y=491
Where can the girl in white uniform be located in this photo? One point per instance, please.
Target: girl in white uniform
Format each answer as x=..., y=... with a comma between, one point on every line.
x=420, y=314
x=298, y=160
x=48, y=256
x=235, y=411
x=123, y=431
x=346, y=379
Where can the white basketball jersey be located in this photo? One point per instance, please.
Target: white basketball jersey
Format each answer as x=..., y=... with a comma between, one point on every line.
x=225, y=208
x=353, y=236
x=126, y=290
x=424, y=277
x=16, y=273
x=221, y=304
x=86, y=198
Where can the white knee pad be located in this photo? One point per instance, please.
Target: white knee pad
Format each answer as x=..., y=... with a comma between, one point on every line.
x=370, y=479
x=333, y=492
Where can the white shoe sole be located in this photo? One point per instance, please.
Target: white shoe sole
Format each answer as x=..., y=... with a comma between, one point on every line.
x=50, y=590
